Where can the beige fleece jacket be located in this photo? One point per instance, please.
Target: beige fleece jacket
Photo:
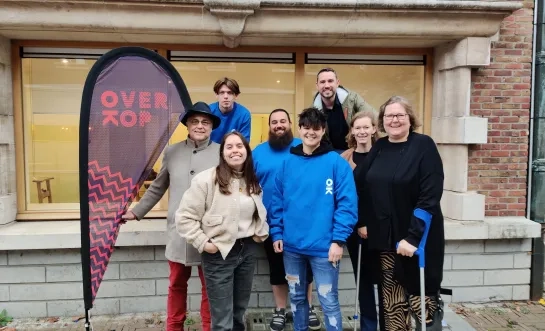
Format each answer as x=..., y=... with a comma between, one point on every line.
x=207, y=214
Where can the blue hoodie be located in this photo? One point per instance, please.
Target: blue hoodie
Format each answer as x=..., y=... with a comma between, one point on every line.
x=238, y=119
x=267, y=162
x=314, y=202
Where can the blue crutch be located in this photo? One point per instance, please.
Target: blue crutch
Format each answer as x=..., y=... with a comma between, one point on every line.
x=425, y=217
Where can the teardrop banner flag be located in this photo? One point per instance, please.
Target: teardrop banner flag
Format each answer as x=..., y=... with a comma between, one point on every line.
x=131, y=104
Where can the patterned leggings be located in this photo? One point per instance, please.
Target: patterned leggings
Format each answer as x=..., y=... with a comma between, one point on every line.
x=397, y=309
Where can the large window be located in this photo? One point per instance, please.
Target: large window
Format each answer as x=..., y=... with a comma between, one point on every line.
x=52, y=91
x=51, y=87
x=376, y=78
x=264, y=87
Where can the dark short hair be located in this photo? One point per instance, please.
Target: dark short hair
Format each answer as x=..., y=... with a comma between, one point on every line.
x=229, y=82
x=313, y=118
x=279, y=110
x=326, y=70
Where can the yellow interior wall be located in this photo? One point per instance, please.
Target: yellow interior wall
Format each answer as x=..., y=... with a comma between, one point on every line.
x=52, y=95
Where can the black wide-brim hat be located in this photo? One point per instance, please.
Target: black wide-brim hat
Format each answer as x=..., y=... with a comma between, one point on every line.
x=201, y=108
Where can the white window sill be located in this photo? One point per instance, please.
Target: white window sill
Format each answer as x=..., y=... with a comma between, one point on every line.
x=66, y=234
x=151, y=232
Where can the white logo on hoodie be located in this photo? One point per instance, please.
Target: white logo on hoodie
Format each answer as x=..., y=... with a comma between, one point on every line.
x=329, y=186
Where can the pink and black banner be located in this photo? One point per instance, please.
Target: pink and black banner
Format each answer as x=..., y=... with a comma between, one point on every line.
x=132, y=102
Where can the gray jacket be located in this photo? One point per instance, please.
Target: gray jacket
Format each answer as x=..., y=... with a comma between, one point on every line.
x=181, y=162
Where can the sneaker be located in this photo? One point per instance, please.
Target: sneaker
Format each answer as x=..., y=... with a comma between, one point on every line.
x=278, y=321
x=313, y=321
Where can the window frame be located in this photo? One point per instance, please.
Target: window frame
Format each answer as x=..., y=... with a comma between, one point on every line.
x=23, y=214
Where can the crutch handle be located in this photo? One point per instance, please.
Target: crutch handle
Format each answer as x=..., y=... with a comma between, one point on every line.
x=425, y=217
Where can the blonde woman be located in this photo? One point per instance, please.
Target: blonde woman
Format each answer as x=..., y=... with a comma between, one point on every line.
x=223, y=217
x=362, y=134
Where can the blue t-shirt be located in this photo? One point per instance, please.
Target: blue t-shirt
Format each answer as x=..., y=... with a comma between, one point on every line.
x=238, y=119
x=267, y=162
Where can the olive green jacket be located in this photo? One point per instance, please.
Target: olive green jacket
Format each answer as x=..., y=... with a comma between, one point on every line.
x=351, y=103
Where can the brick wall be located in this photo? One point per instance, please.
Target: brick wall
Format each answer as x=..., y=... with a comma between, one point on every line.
x=501, y=92
x=48, y=283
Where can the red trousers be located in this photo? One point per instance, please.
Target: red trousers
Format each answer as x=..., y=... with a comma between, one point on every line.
x=177, y=298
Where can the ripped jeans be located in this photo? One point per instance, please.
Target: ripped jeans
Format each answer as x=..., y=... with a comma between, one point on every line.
x=326, y=277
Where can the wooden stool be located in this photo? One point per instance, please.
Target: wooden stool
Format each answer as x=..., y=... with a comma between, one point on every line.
x=44, y=193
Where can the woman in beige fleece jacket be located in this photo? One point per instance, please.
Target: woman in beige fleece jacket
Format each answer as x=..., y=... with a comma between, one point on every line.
x=222, y=216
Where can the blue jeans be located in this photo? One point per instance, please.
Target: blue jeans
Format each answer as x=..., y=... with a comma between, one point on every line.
x=326, y=277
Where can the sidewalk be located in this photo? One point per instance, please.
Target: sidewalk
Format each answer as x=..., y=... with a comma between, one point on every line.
x=528, y=316
x=258, y=320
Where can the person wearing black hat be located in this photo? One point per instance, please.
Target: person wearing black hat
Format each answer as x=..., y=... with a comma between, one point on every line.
x=181, y=162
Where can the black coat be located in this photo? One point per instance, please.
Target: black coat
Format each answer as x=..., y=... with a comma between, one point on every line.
x=417, y=182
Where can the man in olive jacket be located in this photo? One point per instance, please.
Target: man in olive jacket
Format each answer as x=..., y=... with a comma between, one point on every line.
x=181, y=162
x=339, y=105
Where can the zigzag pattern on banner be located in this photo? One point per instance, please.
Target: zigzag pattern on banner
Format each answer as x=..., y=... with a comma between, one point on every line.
x=108, y=196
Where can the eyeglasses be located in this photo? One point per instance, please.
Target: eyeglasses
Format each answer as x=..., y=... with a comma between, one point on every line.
x=203, y=122
x=400, y=117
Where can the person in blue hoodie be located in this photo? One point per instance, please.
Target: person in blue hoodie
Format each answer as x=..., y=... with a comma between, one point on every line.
x=313, y=212
x=234, y=116
x=268, y=157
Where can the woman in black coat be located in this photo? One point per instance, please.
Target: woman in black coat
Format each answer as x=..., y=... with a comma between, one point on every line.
x=403, y=173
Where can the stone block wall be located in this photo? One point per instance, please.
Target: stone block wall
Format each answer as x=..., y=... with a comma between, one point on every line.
x=488, y=270
x=48, y=282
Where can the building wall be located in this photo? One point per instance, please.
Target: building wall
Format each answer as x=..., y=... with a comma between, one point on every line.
x=48, y=282
x=501, y=92
x=7, y=140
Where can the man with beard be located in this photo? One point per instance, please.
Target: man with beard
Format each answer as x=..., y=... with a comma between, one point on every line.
x=268, y=158
x=339, y=105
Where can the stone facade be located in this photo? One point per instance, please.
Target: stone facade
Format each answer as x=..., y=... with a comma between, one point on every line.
x=480, y=103
x=8, y=208
x=38, y=283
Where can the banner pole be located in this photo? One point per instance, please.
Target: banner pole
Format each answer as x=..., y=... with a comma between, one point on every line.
x=88, y=326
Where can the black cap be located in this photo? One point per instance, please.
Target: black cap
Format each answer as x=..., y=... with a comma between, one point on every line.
x=203, y=109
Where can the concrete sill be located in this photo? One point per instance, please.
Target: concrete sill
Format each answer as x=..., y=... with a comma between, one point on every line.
x=66, y=234
x=509, y=227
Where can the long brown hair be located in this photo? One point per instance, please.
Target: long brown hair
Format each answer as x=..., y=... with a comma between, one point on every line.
x=350, y=139
x=224, y=173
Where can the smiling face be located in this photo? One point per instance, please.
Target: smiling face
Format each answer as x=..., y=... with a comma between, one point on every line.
x=234, y=152
x=363, y=130
x=327, y=84
x=279, y=124
x=397, y=123
x=199, y=127
x=311, y=137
